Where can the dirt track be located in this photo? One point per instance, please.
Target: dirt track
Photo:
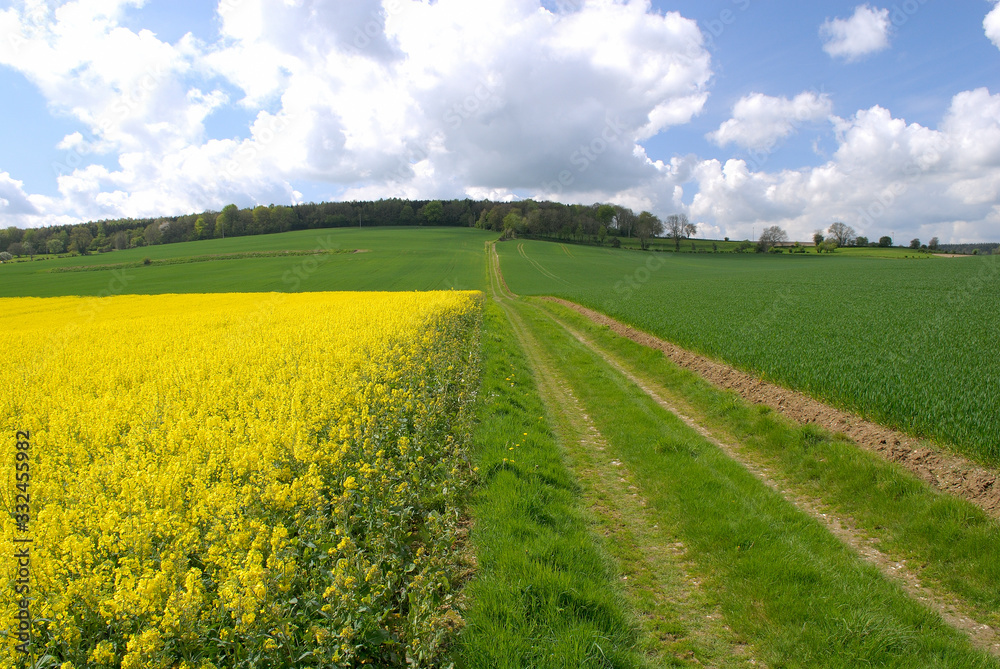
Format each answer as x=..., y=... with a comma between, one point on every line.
x=945, y=471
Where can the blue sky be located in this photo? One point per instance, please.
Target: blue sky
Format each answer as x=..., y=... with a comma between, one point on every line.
x=739, y=113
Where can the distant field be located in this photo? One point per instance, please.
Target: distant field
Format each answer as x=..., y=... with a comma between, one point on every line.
x=394, y=259
x=911, y=344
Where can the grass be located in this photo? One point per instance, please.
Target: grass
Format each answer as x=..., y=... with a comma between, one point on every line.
x=394, y=259
x=953, y=541
x=907, y=344
x=544, y=593
x=802, y=597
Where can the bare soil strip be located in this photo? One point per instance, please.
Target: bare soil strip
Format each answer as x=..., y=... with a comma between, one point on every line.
x=947, y=472
x=950, y=609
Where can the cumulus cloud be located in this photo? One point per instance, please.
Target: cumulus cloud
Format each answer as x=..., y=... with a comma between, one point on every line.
x=380, y=98
x=13, y=200
x=760, y=121
x=886, y=174
x=413, y=98
x=864, y=33
x=991, y=24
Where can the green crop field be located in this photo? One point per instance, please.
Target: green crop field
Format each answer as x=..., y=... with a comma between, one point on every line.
x=909, y=343
x=392, y=259
x=624, y=512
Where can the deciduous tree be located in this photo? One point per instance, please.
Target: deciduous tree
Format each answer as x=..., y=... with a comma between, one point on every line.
x=771, y=237
x=843, y=233
x=432, y=213
x=80, y=239
x=625, y=221
x=646, y=227
x=678, y=227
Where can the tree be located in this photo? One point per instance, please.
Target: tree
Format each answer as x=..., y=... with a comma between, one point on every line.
x=915, y=243
x=885, y=242
x=933, y=244
x=226, y=221
x=771, y=237
x=261, y=220
x=152, y=234
x=844, y=234
x=512, y=224
x=829, y=246
x=284, y=219
x=679, y=228
x=407, y=216
x=120, y=240
x=17, y=248
x=432, y=213
x=647, y=226
x=861, y=241
x=625, y=221
x=199, y=228
x=605, y=215
x=5, y=256
x=818, y=238
x=54, y=246
x=80, y=240
x=494, y=219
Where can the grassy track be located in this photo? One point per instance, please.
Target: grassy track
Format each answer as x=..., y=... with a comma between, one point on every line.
x=908, y=344
x=395, y=259
x=544, y=594
x=784, y=582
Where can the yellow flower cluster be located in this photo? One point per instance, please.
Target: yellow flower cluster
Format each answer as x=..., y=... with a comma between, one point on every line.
x=237, y=480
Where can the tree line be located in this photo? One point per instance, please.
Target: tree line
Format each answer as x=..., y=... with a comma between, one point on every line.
x=596, y=223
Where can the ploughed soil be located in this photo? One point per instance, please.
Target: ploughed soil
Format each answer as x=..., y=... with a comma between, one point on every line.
x=945, y=471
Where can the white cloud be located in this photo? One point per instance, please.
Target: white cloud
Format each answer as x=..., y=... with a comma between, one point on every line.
x=866, y=32
x=885, y=175
x=991, y=24
x=13, y=200
x=760, y=121
x=381, y=98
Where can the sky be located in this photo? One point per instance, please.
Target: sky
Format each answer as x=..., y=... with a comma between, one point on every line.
x=741, y=114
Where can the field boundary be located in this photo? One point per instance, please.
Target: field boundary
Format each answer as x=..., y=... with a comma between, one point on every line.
x=184, y=260
x=946, y=472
